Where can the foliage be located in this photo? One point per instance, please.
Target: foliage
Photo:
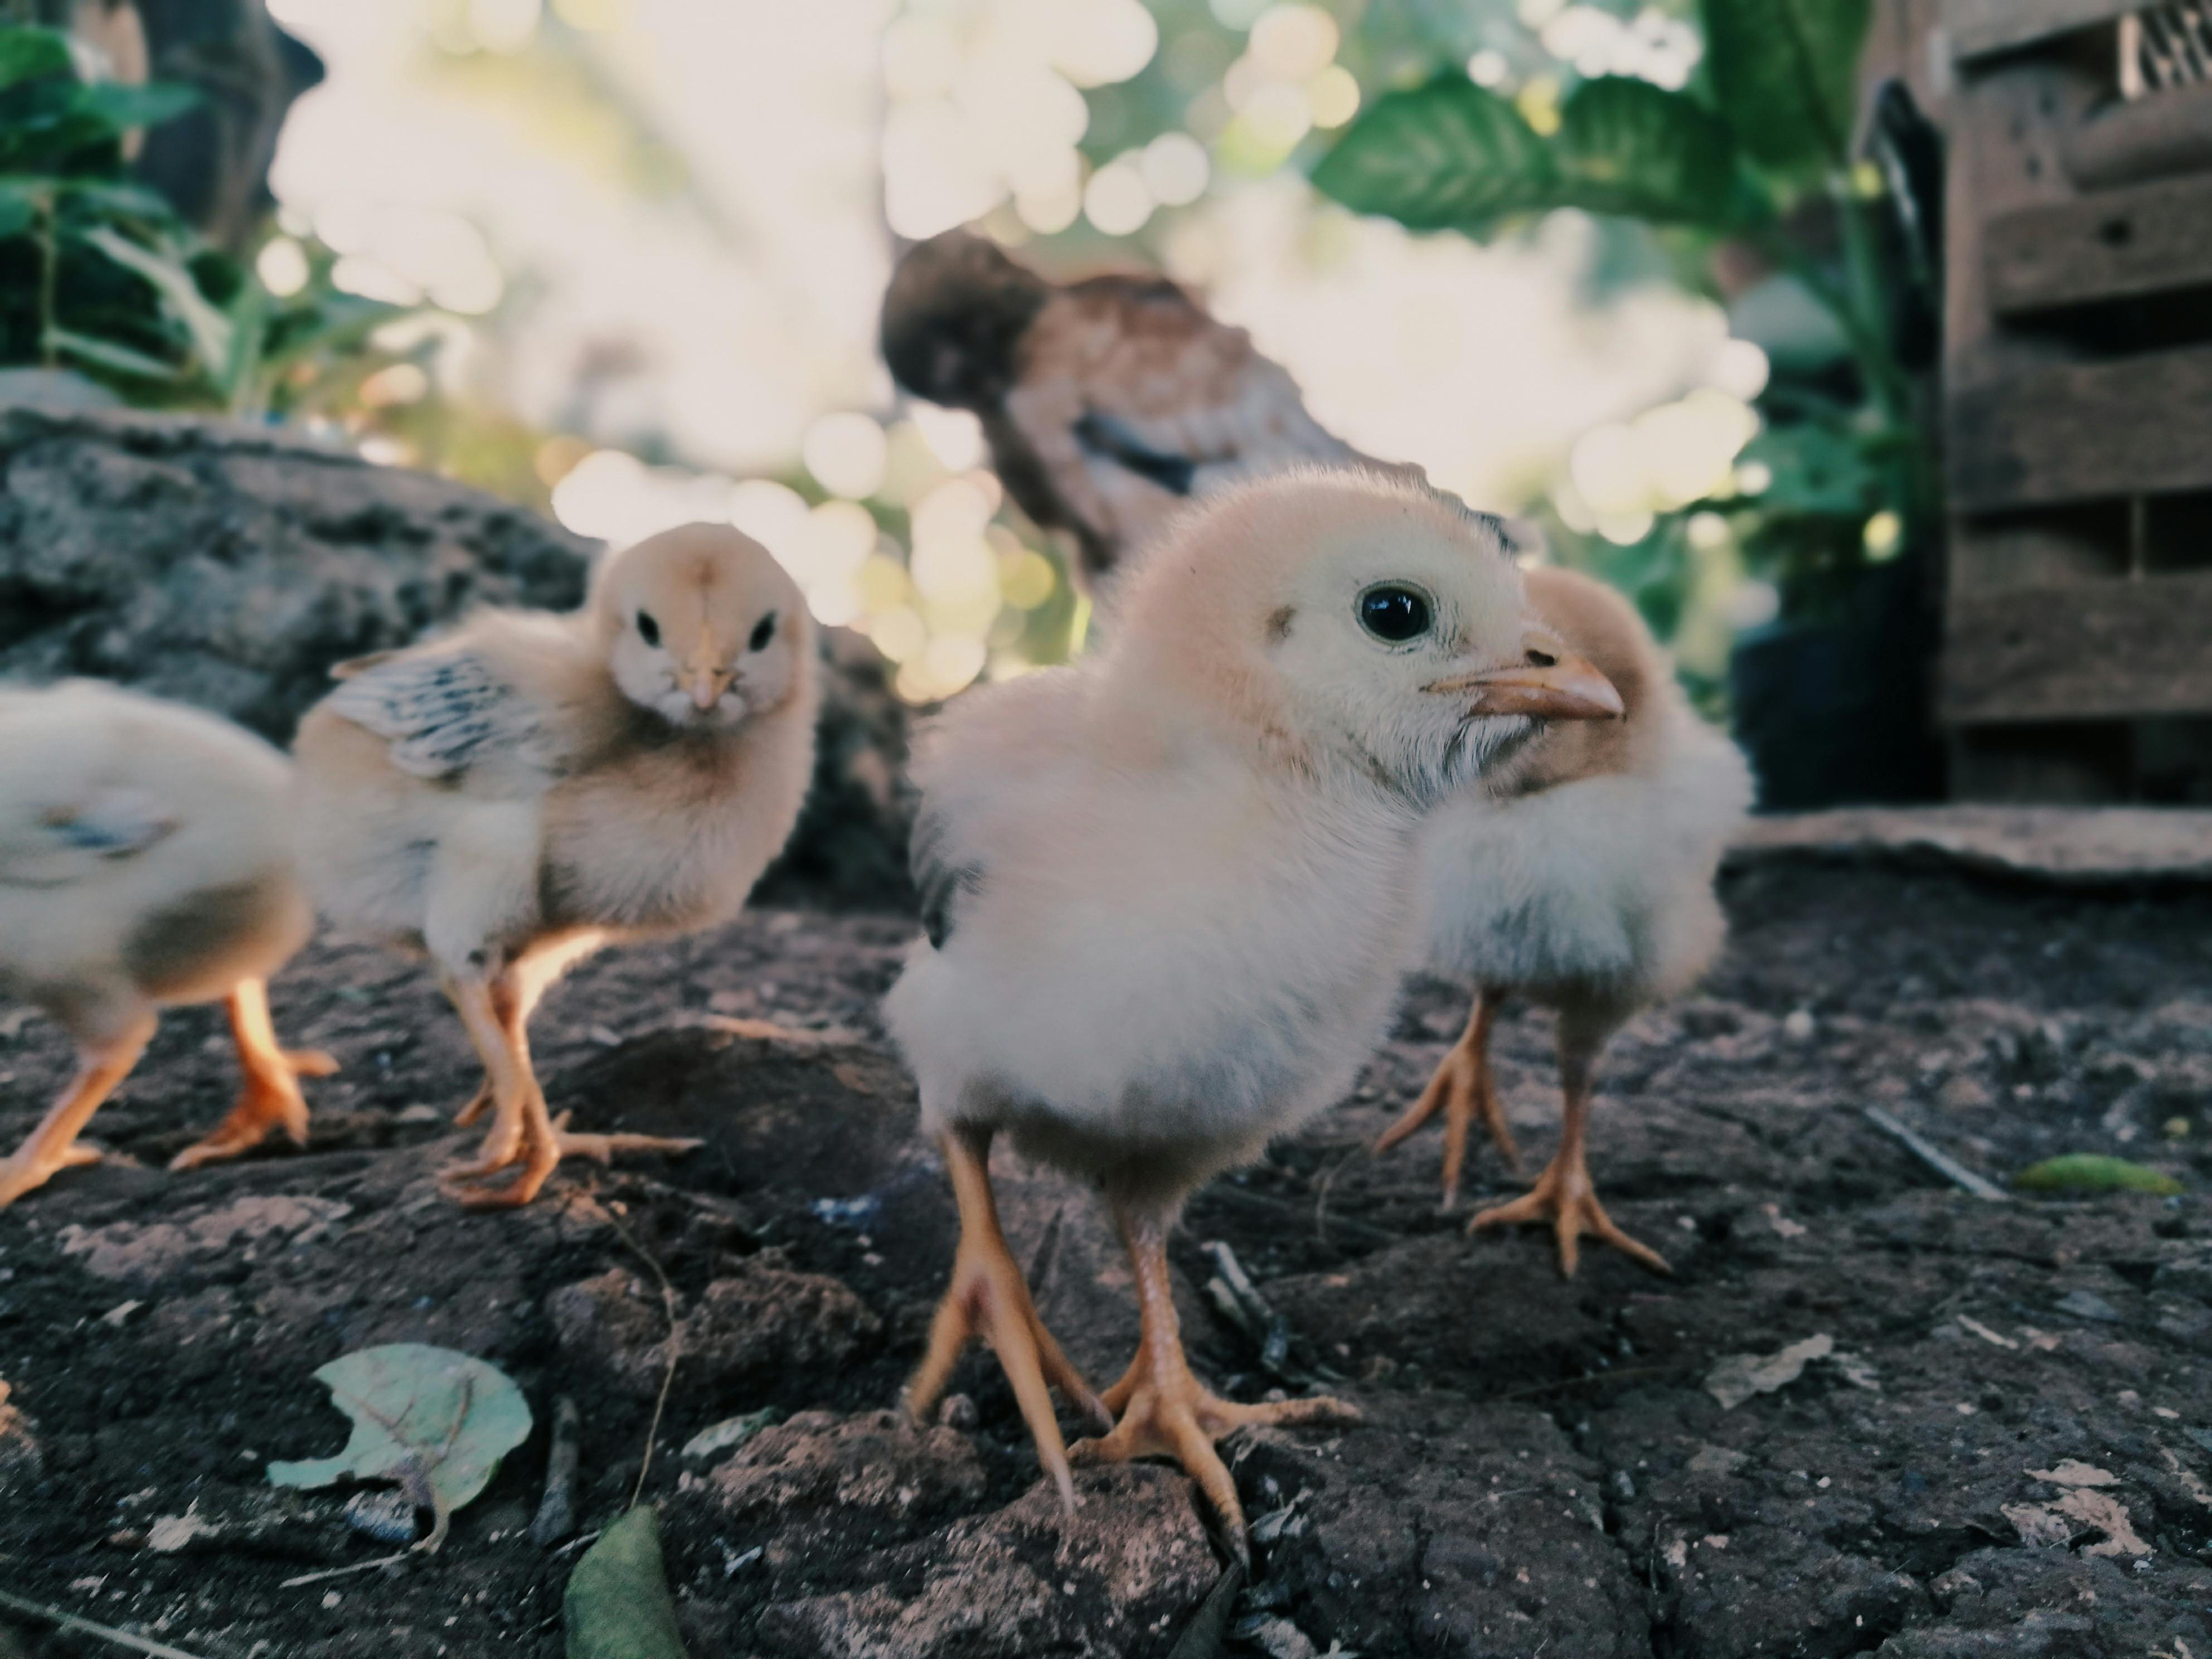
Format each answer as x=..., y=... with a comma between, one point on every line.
x=98, y=273
x=1755, y=154
x=436, y=1421
x=2088, y=1172
x=617, y=1604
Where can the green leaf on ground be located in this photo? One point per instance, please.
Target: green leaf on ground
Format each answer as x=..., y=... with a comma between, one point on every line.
x=434, y=1421
x=2088, y=1172
x=617, y=1604
x=1785, y=74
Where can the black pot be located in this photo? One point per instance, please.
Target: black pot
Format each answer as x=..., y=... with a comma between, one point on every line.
x=1840, y=711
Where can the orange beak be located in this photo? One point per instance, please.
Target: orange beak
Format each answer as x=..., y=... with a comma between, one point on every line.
x=709, y=681
x=1550, y=682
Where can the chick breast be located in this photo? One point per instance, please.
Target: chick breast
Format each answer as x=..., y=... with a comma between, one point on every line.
x=144, y=849
x=1599, y=883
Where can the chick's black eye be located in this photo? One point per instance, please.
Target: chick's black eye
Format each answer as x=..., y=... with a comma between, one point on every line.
x=648, y=629
x=1393, y=613
x=763, y=631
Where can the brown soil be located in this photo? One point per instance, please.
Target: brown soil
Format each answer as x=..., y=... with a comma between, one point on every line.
x=1542, y=1469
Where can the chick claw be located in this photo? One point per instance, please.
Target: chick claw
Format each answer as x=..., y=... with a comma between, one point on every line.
x=1460, y=1087
x=540, y=1154
x=270, y=1101
x=1564, y=1196
x=20, y=1174
x=1165, y=1412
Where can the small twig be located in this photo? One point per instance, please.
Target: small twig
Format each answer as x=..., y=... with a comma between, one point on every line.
x=1578, y=1381
x=1934, y=1156
x=357, y=1566
x=675, y=1352
x=1321, y=1194
x=556, y=1511
x=121, y=1638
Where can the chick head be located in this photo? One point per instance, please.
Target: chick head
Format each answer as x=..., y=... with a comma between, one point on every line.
x=703, y=626
x=1361, y=620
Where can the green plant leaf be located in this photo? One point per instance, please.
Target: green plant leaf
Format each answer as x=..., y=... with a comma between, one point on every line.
x=1785, y=75
x=2088, y=1172
x=1448, y=155
x=617, y=1604
x=208, y=328
x=1628, y=147
x=1816, y=470
x=436, y=1421
x=124, y=107
x=19, y=206
x=26, y=53
x=105, y=354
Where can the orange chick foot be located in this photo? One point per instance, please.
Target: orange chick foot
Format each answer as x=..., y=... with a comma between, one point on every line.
x=538, y=1155
x=1168, y=1412
x=22, y=1173
x=1566, y=1199
x=269, y=1101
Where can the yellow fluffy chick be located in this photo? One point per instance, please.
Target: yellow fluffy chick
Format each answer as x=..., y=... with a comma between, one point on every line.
x=144, y=863
x=513, y=796
x=1579, y=875
x=1169, y=892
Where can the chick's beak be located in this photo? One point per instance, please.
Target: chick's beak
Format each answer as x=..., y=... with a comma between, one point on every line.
x=708, y=678
x=1550, y=682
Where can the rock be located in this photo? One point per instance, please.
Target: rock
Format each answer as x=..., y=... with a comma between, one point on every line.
x=1121, y=1577
x=765, y=1322
x=609, y=1323
x=762, y=1323
x=1442, y=1527
x=21, y=1462
x=821, y=1475
x=142, y=1252
x=230, y=566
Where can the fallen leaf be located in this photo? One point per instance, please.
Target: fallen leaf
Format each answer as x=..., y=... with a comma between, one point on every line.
x=2088, y=1172
x=617, y=1604
x=2073, y=1472
x=731, y=1433
x=2110, y=1517
x=2039, y=1526
x=433, y=1421
x=1737, y=1376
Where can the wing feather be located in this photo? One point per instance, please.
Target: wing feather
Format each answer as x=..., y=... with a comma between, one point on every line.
x=442, y=713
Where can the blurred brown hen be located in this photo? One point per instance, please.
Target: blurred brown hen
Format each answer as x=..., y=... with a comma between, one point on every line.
x=1107, y=402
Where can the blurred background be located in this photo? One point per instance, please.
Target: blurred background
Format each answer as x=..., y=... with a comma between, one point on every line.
x=622, y=261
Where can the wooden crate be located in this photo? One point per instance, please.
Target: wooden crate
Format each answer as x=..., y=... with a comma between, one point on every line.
x=2077, y=658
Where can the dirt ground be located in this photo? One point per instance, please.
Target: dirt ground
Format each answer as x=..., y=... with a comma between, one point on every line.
x=2006, y=1448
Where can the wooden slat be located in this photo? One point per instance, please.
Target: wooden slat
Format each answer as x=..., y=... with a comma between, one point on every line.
x=1980, y=27
x=2166, y=134
x=2118, y=244
x=2071, y=432
x=2121, y=648
x=2050, y=547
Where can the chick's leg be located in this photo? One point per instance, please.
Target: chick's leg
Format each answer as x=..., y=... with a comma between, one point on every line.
x=1563, y=1195
x=271, y=1099
x=1461, y=1087
x=1165, y=1411
x=515, y=995
x=52, y=1148
x=538, y=1142
x=988, y=1298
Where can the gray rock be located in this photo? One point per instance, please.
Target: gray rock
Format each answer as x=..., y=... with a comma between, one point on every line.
x=1119, y=1578
x=230, y=566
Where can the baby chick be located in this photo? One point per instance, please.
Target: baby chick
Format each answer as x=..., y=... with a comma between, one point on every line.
x=1168, y=892
x=1579, y=875
x=1107, y=402
x=512, y=797
x=144, y=863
